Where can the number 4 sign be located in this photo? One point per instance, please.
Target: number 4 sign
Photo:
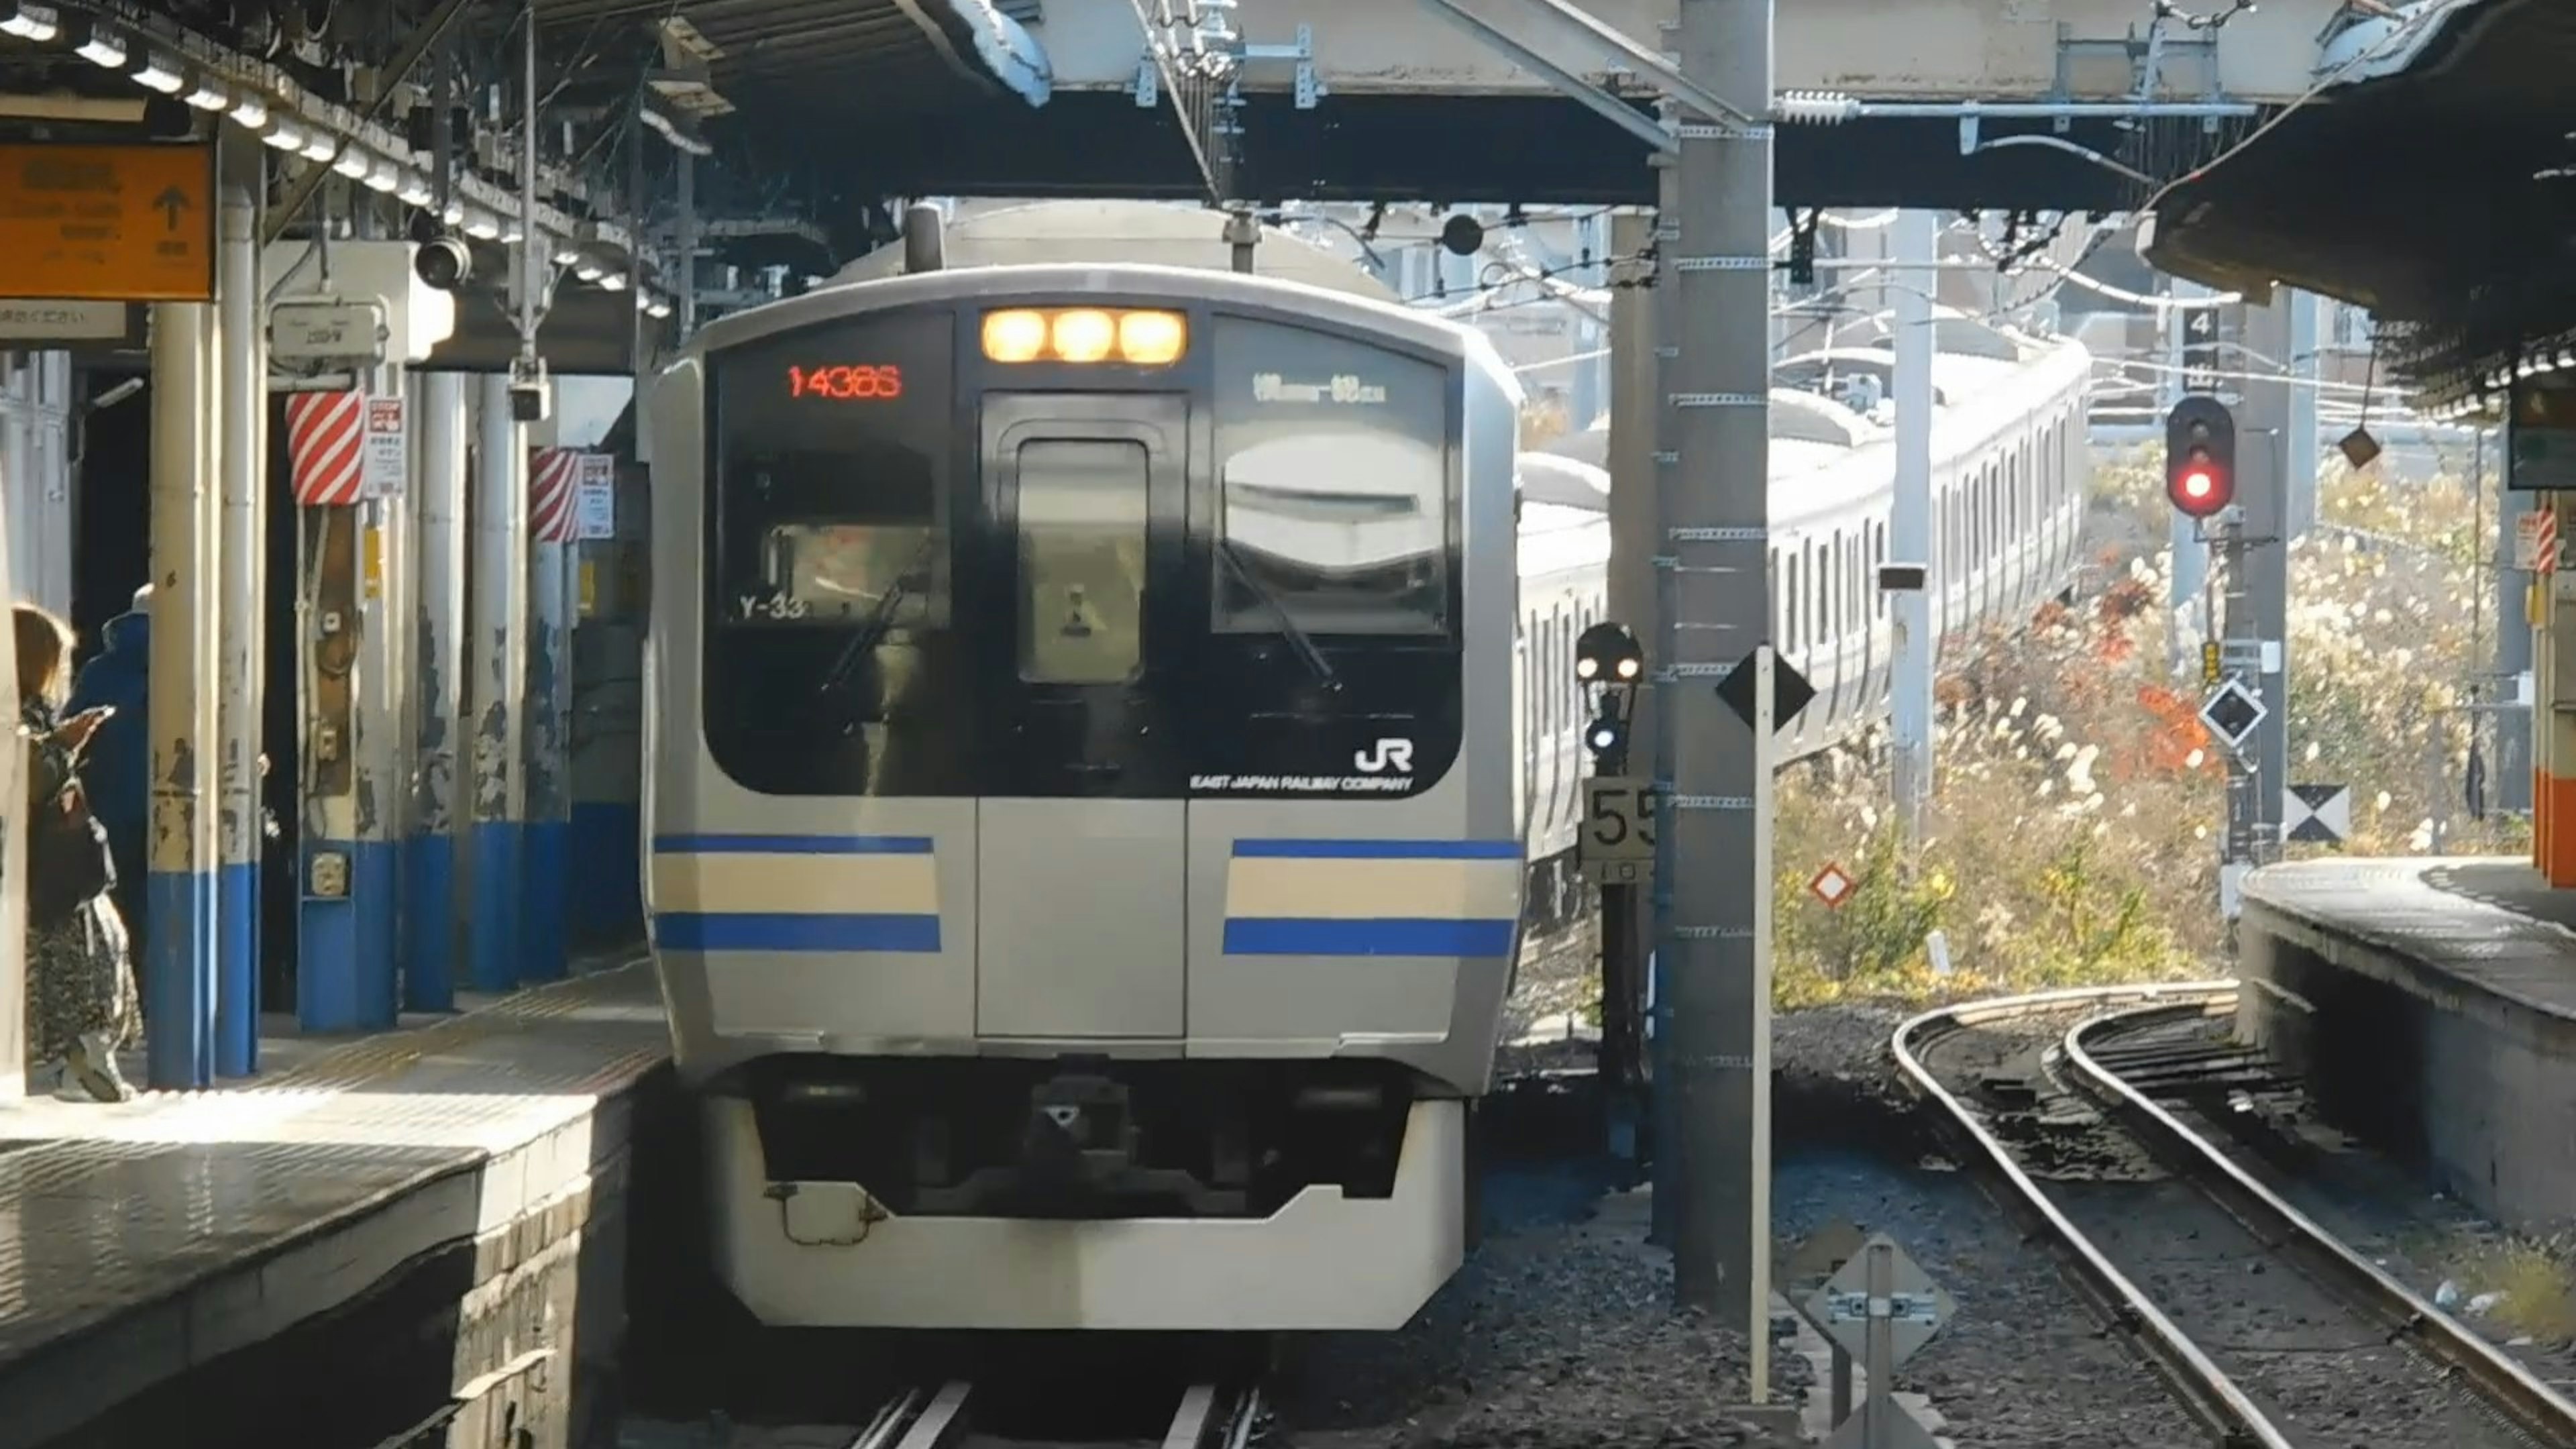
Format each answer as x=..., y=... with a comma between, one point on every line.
x=1616, y=843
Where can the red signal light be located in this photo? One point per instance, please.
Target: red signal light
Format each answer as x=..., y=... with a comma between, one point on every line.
x=2199, y=489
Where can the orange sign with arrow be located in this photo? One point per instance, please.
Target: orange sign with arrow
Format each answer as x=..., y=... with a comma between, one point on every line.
x=133, y=223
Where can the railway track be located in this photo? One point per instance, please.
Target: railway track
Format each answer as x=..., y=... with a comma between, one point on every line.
x=2272, y=1332
x=951, y=1415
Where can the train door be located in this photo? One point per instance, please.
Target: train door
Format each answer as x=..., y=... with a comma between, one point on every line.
x=1081, y=930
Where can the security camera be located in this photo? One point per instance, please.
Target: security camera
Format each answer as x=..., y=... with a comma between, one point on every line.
x=444, y=263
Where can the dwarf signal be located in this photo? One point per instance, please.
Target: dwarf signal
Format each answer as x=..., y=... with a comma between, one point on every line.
x=2200, y=457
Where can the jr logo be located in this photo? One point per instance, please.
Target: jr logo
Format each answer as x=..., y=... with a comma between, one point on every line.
x=1396, y=755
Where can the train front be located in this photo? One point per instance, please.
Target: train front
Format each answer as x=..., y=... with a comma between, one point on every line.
x=1086, y=865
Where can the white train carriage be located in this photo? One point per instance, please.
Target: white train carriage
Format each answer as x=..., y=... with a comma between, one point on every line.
x=2010, y=470
x=1087, y=868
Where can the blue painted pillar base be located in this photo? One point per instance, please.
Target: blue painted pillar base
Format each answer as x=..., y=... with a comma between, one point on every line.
x=375, y=883
x=496, y=905
x=548, y=903
x=606, y=871
x=429, y=924
x=237, y=969
x=179, y=980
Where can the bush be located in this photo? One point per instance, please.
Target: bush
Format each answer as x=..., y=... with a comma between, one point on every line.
x=2073, y=835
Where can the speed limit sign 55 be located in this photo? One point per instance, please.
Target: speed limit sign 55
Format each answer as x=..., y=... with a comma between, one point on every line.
x=1615, y=844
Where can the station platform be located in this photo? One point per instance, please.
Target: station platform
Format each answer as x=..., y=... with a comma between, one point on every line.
x=420, y=1234
x=2430, y=1004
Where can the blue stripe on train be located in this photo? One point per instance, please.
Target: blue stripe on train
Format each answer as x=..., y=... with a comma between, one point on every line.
x=791, y=845
x=1251, y=936
x=1380, y=849
x=783, y=931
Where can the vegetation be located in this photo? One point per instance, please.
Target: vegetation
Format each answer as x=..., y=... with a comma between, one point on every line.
x=2073, y=836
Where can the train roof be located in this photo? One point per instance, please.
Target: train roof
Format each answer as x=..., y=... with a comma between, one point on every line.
x=1341, y=307
x=1119, y=233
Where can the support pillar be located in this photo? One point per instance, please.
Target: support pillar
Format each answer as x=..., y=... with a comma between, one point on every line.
x=14, y=485
x=2554, y=836
x=439, y=555
x=1635, y=531
x=2267, y=469
x=179, y=982
x=1915, y=243
x=1716, y=938
x=242, y=441
x=549, y=714
x=496, y=678
x=384, y=748
x=2512, y=765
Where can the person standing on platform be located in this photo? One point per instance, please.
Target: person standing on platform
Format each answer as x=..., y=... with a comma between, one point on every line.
x=82, y=1003
x=118, y=772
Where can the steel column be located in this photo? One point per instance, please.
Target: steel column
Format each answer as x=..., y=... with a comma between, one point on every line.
x=1910, y=537
x=2511, y=775
x=179, y=901
x=496, y=677
x=438, y=554
x=1716, y=936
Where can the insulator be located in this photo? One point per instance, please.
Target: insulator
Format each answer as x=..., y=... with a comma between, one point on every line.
x=1814, y=108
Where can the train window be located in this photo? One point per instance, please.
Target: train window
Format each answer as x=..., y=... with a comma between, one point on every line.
x=1082, y=560
x=1789, y=591
x=843, y=573
x=1334, y=463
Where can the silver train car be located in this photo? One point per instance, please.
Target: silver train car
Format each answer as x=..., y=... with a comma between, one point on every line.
x=1087, y=843
x=2010, y=473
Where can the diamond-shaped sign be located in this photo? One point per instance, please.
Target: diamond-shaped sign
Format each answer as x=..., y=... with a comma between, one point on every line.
x=2317, y=814
x=1902, y=1430
x=1790, y=691
x=1832, y=886
x=2231, y=712
x=1915, y=1306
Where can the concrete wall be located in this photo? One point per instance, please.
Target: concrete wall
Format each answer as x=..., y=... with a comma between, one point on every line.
x=2477, y=1090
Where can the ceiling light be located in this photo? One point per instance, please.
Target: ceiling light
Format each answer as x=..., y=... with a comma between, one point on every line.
x=351, y=163
x=659, y=308
x=383, y=178
x=29, y=21
x=102, y=47
x=251, y=111
x=612, y=282
x=566, y=256
x=511, y=233
x=452, y=213
x=285, y=136
x=416, y=192
x=318, y=147
x=205, y=95
x=590, y=271
x=160, y=73
x=481, y=228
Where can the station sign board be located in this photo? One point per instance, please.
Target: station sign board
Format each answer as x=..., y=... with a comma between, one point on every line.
x=122, y=223
x=2540, y=434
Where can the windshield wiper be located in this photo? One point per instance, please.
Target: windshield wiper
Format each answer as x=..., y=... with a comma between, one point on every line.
x=1288, y=629
x=878, y=622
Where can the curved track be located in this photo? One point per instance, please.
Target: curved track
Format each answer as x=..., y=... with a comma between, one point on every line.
x=2333, y=1352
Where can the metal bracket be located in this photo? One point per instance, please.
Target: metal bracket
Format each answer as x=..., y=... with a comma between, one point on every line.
x=1599, y=100
x=1718, y=535
x=1716, y=400
x=2146, y=56
x=1920, y=1308
x=1722, y=264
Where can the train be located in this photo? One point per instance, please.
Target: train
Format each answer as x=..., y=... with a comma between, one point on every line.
x=1093, y=777
x=2011, y=477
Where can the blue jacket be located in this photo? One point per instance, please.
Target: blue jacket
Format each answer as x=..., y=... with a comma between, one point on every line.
x=119, y=766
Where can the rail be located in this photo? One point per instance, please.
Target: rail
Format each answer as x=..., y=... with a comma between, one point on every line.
x=2207, y=1393
x=2536, y=1407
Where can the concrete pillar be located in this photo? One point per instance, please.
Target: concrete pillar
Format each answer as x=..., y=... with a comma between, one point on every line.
x=179, y=983
x=496, y=681
x=241, y=435
x=437, y=519
x=553, y=477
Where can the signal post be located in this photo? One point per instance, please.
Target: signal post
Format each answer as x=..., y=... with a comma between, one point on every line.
x=1615, y=850
x=2201, y=484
